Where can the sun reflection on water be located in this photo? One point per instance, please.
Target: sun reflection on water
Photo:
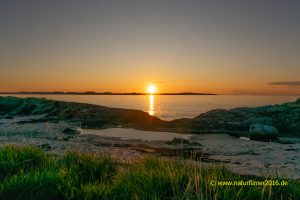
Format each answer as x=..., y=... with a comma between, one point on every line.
x=151, y=105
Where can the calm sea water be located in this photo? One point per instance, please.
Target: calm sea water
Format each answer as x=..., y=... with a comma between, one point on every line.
x=172, y=107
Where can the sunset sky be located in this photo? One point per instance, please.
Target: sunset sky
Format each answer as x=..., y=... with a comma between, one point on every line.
x=224, y=47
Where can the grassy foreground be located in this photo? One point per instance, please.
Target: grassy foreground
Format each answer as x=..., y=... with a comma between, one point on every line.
x=29, y=173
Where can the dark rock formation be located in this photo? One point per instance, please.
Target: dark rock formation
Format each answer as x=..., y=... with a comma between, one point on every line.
x=70, y=131
x=284, y=117
x=89, y=116
x=262, y=132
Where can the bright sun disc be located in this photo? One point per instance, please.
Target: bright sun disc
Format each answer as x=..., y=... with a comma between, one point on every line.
x=151, y=89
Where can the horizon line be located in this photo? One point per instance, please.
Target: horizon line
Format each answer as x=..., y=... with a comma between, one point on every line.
x=111, y=93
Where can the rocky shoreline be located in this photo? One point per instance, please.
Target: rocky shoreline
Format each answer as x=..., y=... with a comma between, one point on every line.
x=54, y=126
x=283, y=119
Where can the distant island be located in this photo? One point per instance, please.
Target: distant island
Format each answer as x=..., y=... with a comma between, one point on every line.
x=106, y=93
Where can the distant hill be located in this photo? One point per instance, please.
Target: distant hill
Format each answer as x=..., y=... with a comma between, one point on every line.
x=105, y=93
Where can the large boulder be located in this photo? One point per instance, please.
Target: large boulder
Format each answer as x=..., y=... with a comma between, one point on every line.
x=263, y=132
x=70, y=131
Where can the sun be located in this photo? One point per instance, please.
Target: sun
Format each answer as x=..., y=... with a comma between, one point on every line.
x=151, y=89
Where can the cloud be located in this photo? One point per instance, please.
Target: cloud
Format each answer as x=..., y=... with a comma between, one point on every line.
x=158, y=82
x=285, y=83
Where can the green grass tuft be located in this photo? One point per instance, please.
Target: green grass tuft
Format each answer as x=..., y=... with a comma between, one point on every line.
x=87, y=168
x=29, y=173
x=34, y=185
x=14, y=159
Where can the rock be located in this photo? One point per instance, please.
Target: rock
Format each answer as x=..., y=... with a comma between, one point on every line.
x=46, y=147
x=62, y=138
x=286, y=141
x=244, y=138
x=294, y=128
x=8, y=117
x=70, y=131
x=263, y=132
x=97, y=123
x=277, y=109
x=286, y=117
x=258, y=120
x=176, y=140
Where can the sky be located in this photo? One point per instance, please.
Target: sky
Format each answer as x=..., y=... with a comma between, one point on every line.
x=224, y=47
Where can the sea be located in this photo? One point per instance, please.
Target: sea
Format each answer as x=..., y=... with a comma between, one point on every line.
x=169, y=107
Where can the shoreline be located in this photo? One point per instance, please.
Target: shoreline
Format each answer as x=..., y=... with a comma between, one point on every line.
x=236, y=120
x=53, y=126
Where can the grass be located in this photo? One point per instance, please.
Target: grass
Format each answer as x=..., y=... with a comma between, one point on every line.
x=29, y=173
